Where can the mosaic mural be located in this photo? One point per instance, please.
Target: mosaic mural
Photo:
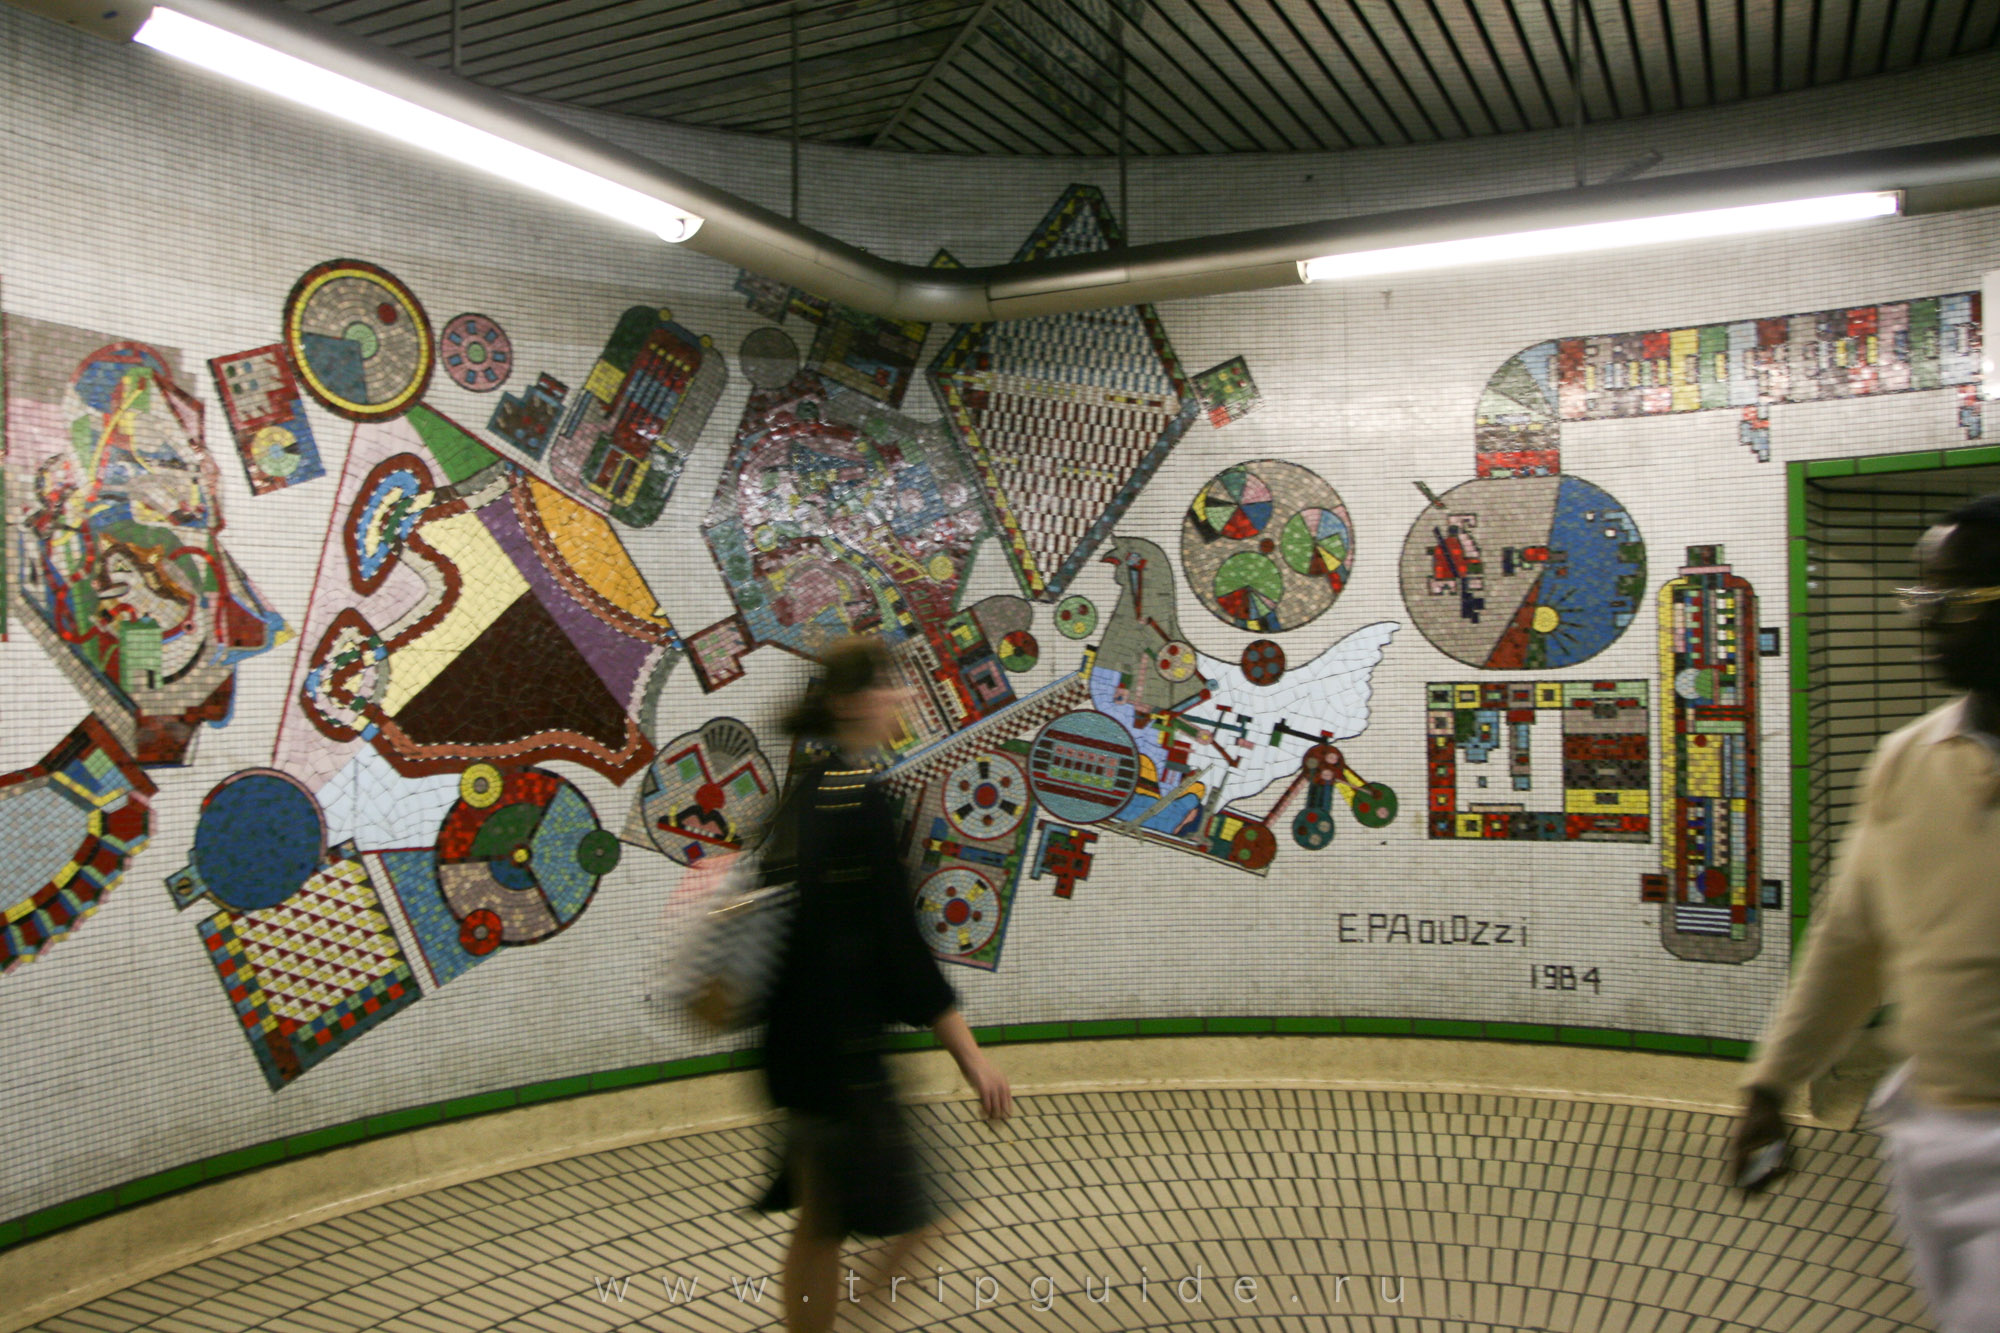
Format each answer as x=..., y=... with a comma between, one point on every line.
x=1267, y=546
x=705, y=792
x=836, y=515
x=445, y=570
x=259, y=394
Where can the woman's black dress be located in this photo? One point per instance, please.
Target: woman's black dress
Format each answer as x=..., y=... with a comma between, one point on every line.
x=853, y=964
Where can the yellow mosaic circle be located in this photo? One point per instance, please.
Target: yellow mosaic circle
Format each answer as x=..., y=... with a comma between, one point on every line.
x=480, y=785
x=359, y=339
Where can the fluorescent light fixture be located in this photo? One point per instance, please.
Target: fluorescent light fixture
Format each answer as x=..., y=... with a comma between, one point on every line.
x=1989, y=333
x=1603, y=236
x=311, y=85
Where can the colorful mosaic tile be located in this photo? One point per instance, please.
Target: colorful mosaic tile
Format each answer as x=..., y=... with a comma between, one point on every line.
x=1523, y=573
x=68, y=826
x=493, y=571
x=260, y=397
x=1100, y=390
x=309, y=975
x=1267, y=546
x=133, y=595
x=835, y=515
x=1603, y=756
x=1227, y=392
x=705, y=792
x=1710, y=888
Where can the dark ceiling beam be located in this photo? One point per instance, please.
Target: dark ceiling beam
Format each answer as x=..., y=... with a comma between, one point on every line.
x=938, y=66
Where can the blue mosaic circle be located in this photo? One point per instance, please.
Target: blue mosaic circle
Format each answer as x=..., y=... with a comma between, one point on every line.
x=258, y=840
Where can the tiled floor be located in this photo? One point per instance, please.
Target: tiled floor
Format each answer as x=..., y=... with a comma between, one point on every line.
x=1481, y=1212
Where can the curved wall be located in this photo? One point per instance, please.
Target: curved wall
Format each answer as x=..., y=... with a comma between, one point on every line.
x=280, y=716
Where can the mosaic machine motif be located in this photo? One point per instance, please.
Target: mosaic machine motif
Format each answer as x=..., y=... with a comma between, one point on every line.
x=620, y=444
x=1598, y=743
x=1528, y=567
x=838, y=515
x=1711, y=897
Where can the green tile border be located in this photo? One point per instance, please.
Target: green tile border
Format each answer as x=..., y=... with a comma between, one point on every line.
x=1797, y=618
x=238, y=1161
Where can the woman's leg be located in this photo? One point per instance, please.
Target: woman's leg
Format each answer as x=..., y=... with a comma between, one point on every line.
x=812, y=1263
x=895, y=1259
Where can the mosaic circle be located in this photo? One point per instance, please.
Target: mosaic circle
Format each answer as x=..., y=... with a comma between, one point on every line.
x=706, y=792
x=360, y=339
x=1253, y=846
x=1323, y=765
x=1083, y=767
x=1175, y=661
x=476, y=353
x=1312, y=829
x=479, y=785
x=986, y=797
x=957, y=911
x=1264, y=662
x=1524, y=573
x=1076, y=617
x=769, y=358
x=276, y=451
x=531, y=856
x=1267, y=546
x=258, y=839
x=1374, y=804
x=1019, y=651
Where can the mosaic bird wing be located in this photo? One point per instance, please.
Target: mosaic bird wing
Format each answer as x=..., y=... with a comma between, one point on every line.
x=1324, y=699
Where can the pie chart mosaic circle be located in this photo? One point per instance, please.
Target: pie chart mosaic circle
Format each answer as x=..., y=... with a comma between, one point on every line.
x=1083, y=767
x=1019, y=651
x=986, y=797
x=360, y=339
x=1267, y=546
x=476, y=353
x=957, y=911
x=519, y=856
x=1524, y=573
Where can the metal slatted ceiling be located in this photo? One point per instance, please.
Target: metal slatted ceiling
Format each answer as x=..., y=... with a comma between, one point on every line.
x=1042, y=76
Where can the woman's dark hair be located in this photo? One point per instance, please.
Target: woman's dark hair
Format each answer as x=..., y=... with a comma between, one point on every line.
x=850, y=667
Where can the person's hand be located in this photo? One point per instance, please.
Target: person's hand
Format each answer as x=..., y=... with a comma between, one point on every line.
x=996, y=1098
x=1761, y=1124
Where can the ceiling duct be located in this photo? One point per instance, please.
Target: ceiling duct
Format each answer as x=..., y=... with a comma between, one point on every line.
x=1958, y=173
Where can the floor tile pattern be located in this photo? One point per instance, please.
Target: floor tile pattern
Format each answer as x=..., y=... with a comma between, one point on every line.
x=1299, y=1209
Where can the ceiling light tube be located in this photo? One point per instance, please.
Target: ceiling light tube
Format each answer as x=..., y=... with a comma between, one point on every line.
x=1604, y=235
x=311, y=85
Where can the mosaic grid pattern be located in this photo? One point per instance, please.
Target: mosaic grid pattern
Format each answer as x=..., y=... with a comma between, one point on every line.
x=1482, y=1213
